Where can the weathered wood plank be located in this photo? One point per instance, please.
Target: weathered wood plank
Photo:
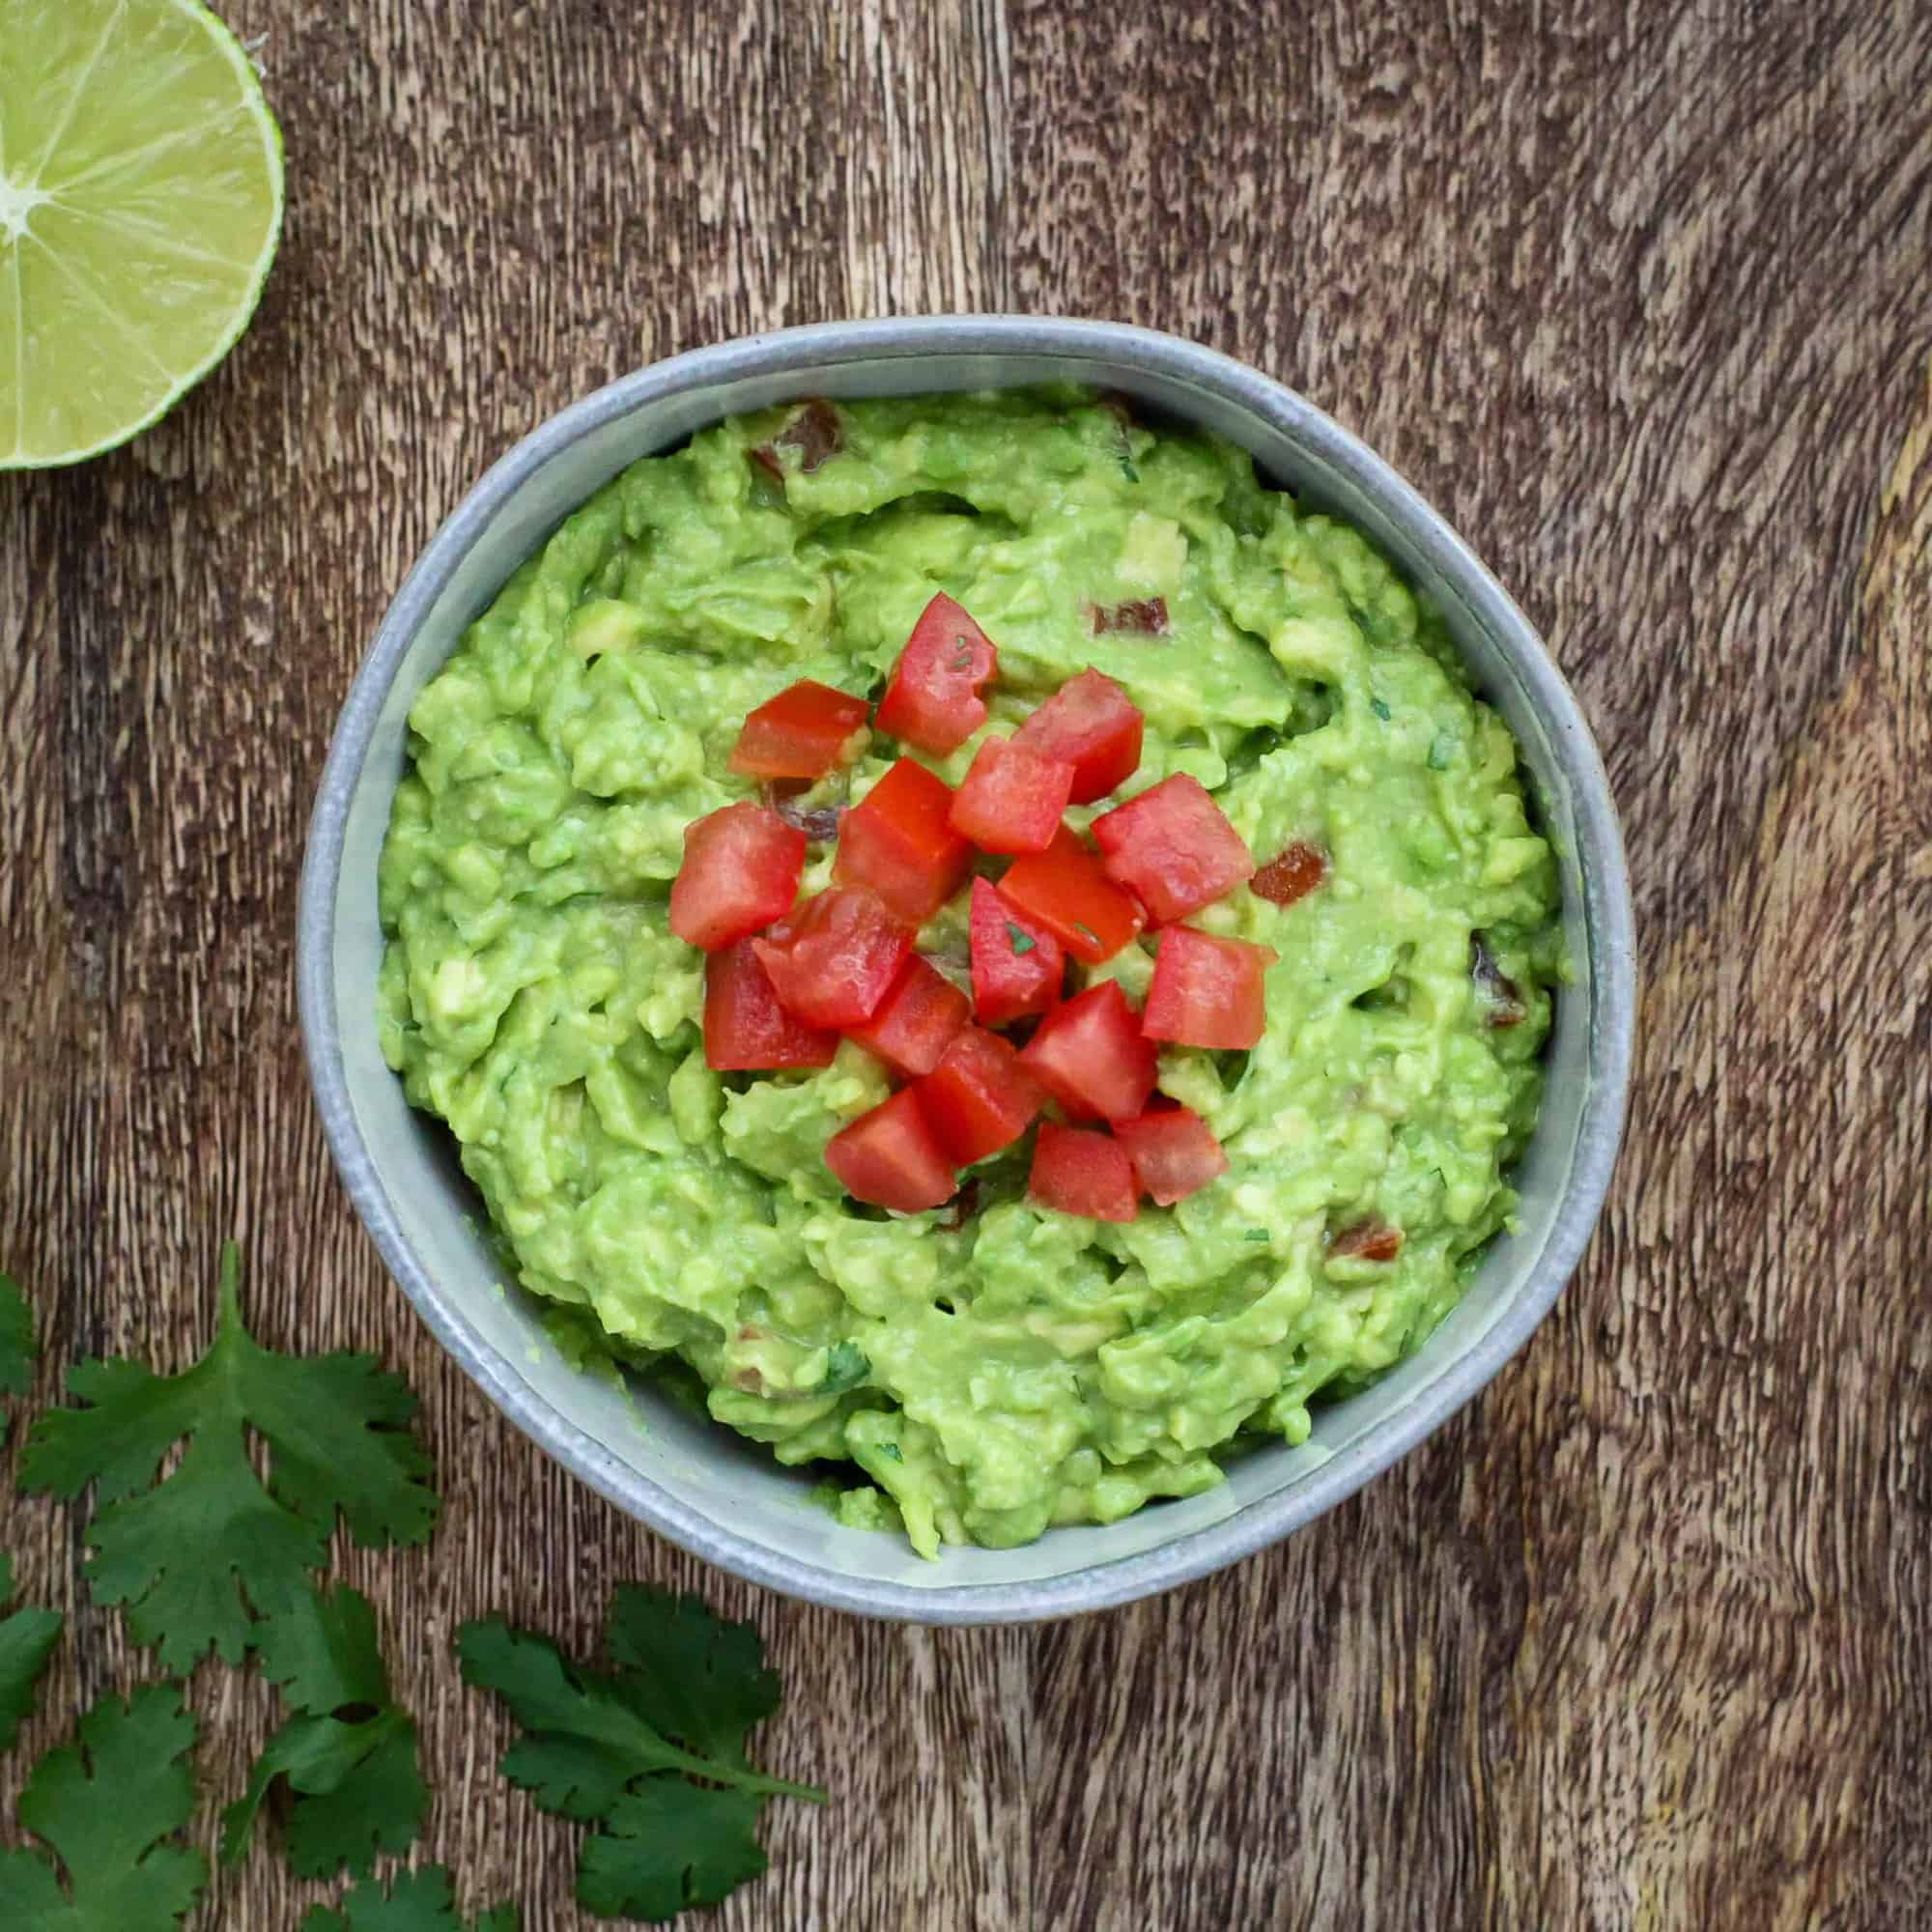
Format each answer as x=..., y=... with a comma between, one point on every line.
x=1639, y=296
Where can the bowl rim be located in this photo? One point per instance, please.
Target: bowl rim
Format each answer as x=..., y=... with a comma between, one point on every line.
x=1608, y=912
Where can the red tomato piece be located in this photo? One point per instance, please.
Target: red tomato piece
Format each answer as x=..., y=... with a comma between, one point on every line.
x=1080, y=1172
x=1012, y=797
x=891, y=1158
x=1018, y=966
x=1207, y=991
x=1292, y=873
x=1064, y=889
x=933, y=698
x=915, y=1020
x=1146, y=615
x=1368, y=1241
x=1174, y=1151
x=834, y=959
x=1174, y=846
x=898, y=841
x=802, y=733
x=740, y=872
x=979, y=1098
x=1092, y=1056
x=745, y=1026
x=1092, y=724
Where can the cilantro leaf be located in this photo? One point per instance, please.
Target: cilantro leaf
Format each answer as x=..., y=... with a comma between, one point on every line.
x=1019, y=939
x=671, y=1844
x=846, y=1367
x=197, y=1557
x=109, y=1807
x=617, y=1748
x=419, y=1901
x=16, y=1338
x=352, y=1770
x=27, y=1639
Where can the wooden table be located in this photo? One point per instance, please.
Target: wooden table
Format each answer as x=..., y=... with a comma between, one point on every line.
x=1640, y=294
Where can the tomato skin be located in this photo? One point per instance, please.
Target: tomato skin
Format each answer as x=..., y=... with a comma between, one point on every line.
x=898, y=841
x=1080, y=1172
x=1066, y=892
x=1092, y=1056
x=1092, y=724
x=1011, y=979
x=1173, y=846
x=806, y=730
x=1174, y=1153
x=1206, y=991
x=889, y=1157
x=915, y=1020
x=740, y=872
x=1368, y=1241
x=834, y=959
x=1012, y=797
x=1292, y=873
x=747, y=1028
x=933, y=701
x=979, y=1098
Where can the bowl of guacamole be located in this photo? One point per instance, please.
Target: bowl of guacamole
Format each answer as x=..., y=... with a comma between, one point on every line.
x=970, y=962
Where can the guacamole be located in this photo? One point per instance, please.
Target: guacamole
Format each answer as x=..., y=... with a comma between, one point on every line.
x=990, y=1369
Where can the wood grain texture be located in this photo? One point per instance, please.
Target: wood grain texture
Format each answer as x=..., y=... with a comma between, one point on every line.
x=1639, y=294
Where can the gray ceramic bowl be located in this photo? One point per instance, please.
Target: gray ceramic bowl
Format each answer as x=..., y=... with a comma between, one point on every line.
x=698, y=1484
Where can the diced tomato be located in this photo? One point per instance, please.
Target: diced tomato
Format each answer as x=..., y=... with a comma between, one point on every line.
x=1066, y=890
x=1146, y=615
x=834, y=959
x=933, y=700
x=1018, y=965
x=915, y=1020
x=1500, y=996
x=745, y=1026
x=1174, y=846
x=1080, y=1172
x=979, y=1098
x=1093, y=724
x=1292, y=873
x=1012, y=797
x=1092, y=1056
x=891, y=1158
x=896, y=841
x=740, y=872
x=813, y=434
x=802, y=733
x=1368, y=1241
x=1174, y=1151
x=1207, y=991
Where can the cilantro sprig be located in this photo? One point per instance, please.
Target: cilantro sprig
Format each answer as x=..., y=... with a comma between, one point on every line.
x=420, y=1901
x=27, y=1639
x=199, y=1557
x=16, y=1339
x=620, y=1749
x=110, y=1808
x=349, y=1754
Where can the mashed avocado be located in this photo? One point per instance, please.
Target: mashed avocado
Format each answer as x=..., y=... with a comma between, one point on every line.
x=994, y=1373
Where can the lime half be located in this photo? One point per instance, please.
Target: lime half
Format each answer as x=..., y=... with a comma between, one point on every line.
x=140, y=202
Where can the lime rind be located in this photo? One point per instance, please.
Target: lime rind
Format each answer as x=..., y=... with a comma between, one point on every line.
x=140, y=229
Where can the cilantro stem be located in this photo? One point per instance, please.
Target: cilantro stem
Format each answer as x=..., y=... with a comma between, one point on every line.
x=669, y=1757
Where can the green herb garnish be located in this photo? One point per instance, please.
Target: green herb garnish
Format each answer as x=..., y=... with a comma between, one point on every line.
x=27, y=1639
x=109, y=1807
x=1258, y=1235
x=16, y=1338
x=199, y=1557
x=349, y=1754
x=846, y=1367
x=419, y=1901
x=1020, y=941
x=650, y=1752
x=1380, y=709
x=1442, y=749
